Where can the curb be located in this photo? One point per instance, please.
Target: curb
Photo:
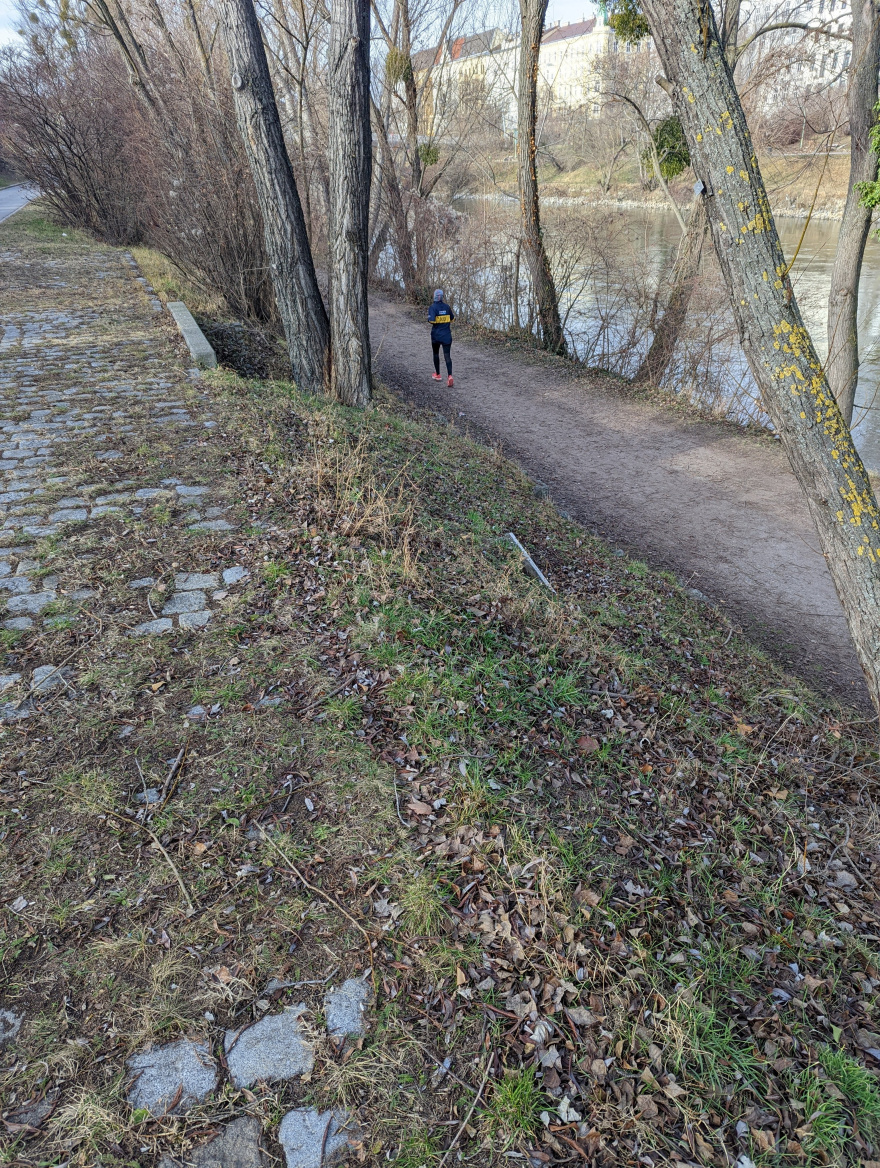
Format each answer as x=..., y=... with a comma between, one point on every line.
x=196, y=341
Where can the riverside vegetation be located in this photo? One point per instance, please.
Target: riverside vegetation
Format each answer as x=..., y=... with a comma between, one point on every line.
x=612, y=875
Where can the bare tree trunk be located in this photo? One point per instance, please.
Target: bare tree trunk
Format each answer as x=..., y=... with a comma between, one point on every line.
x=287, y=245
x=842, y=365
x=684, y=276
x=397, y=211
x=778, y=347
x=350, y=149
x=412, y=141
x=532, y=13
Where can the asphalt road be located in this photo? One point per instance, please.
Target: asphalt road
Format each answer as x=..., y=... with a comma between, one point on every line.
x=12, y=199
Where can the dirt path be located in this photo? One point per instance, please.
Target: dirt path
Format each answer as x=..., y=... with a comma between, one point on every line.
x=719, y=508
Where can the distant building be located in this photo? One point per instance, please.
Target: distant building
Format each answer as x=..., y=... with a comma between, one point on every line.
x=819, y=60
x=569, y=68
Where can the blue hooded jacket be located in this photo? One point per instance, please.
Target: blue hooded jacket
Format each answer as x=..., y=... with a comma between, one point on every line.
x=441, y=316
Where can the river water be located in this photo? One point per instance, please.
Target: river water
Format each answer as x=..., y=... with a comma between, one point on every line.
x=811, y=277
x=600, y=325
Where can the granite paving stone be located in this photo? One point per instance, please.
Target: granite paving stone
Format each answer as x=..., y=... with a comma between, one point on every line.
x=237, y=1146
x=314, y=1139
x=274, y=1048
x=194, y=620
x=182, y=1070
x=193, y=601
x=345, y=1008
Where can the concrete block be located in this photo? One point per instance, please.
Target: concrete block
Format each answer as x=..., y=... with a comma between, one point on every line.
x=196, y=341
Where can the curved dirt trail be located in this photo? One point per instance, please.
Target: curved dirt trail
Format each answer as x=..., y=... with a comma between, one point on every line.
x=718, y=507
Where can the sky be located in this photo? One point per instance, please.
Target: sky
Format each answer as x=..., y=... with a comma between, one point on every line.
x=7, y=22
x=565, y=11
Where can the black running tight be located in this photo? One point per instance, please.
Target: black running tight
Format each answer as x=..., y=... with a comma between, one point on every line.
x=435, y=345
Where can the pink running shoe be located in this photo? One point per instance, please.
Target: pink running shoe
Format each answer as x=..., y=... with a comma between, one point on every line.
x=449, y=381
x=436, y=377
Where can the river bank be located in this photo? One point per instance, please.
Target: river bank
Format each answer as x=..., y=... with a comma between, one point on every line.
x=550, y=835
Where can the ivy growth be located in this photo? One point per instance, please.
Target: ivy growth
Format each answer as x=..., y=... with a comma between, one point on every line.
x=672, y=148
x=869, y=192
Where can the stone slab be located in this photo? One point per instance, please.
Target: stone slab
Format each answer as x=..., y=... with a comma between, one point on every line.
x=32, y=603
x=8, y=680
x=182, y=1071
x=187, y=581
x=184, y=602
x=10, y=1024
x=302, y=1137
x=196, y=341
x=235, y=575
x=152, y=628
x=237, y=1146
x=46, y=678
x=345, y=1008
x=194, y=620
x=274, y=1048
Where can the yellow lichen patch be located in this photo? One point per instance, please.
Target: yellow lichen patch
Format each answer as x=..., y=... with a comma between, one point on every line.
x=699, y=137
x=764, y=276
x=744, y=176
x=723, y=226
x=730, y=170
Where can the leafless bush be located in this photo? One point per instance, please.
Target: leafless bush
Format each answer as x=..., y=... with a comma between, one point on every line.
x=166, y=170
x=66, y=128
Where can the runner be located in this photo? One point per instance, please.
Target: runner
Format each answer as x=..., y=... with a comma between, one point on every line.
x=441, y=316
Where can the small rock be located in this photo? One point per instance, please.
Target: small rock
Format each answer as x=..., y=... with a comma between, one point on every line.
x=8, y=680
x=305, y=1135
x=19, y=904
x=184, y=602
x=237, y=1146
x=197, y=714
x=144, y=582
x=147, y=493
x=845, y=880
x=273, y=1048
x=346, y=1007
x=10, y=1024
x=181, y=1069
x=191, y=492
x=194, y=620
x=149, y=628
x=235, y=575
x=18, y=624
x=151, y=795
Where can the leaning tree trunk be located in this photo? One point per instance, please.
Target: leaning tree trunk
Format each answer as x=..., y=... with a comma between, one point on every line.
x=778, y=347
x=532, y=13
x=350, y=149
x=684, y=276
x=842, y=365
x=284, y=229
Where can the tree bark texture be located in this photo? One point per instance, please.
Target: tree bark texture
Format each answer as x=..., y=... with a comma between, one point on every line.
x=778, y=347
x=300, y=305
x=350, y=148
x=684, y=276
x=532, y=13
x=842, y=365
